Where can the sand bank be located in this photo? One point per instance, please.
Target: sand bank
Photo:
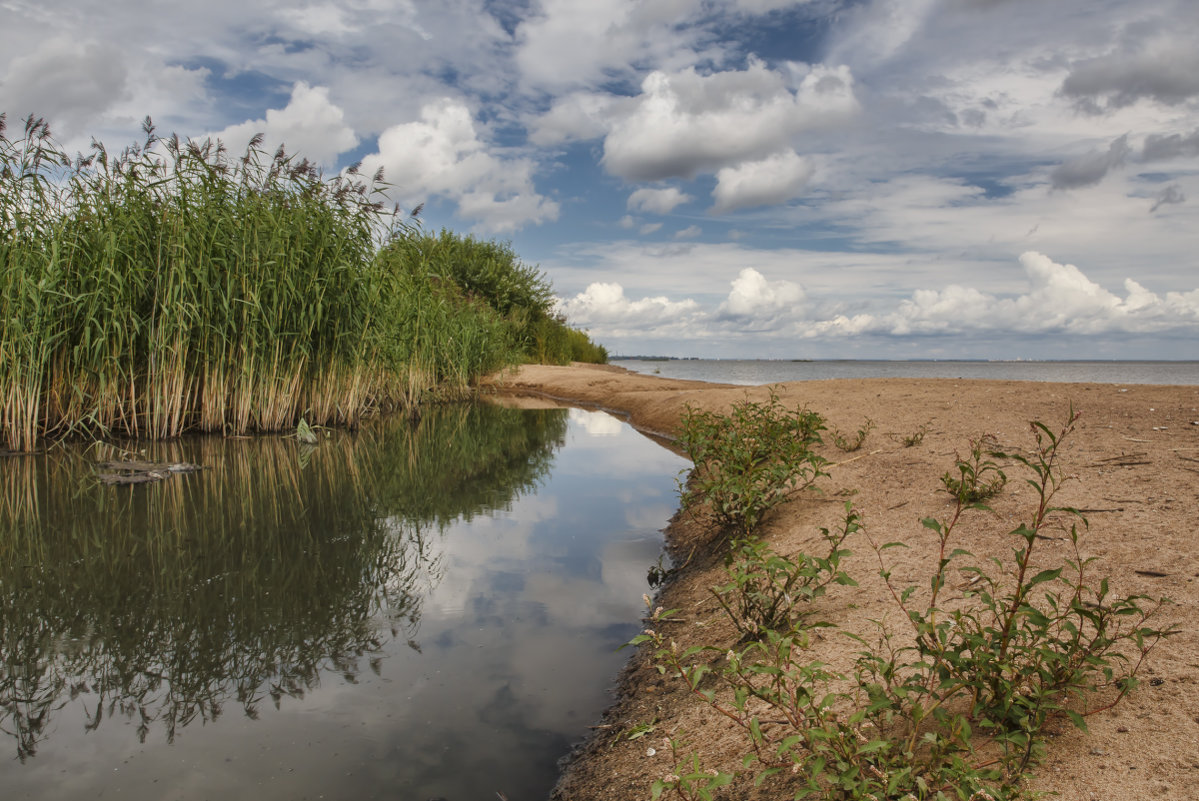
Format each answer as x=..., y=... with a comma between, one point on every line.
x=1134, y=463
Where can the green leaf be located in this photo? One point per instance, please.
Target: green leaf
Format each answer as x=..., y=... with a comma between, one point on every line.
x=1043, y=576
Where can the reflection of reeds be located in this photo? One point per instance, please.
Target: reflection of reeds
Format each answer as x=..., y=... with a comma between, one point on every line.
x=242, y=582
x=173, y=288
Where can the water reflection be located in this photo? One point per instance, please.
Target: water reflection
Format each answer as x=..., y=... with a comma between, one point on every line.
x=413, y=611
x=240, y=584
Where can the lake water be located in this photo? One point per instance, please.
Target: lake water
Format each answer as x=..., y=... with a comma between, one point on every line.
x=413, y=611
x=752, y=372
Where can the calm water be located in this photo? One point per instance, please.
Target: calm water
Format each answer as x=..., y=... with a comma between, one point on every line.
x=734, y=371
x=410, y=612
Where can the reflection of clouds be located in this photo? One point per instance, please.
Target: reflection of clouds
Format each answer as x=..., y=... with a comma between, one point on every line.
x=566, y=658
x=605, y=449
x=518, y=652
x=485, y=544
x=598, y=424
x=649, y=517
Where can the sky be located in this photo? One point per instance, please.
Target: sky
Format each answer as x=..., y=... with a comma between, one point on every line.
x=995, y=179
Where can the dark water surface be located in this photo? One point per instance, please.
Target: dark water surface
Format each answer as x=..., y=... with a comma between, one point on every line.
x=765, y=371
x=408, y=612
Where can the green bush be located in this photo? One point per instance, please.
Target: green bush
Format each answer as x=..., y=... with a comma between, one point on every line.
x=490, y=272
x=765, y=589
x=748, y=461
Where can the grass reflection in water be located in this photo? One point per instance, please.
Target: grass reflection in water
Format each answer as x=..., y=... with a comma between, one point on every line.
x=164, y=603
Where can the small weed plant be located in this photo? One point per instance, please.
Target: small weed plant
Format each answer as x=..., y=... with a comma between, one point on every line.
x=978, y=476
x=848, y=443
x=958, y=709
x=911, y=440
x=749, y=460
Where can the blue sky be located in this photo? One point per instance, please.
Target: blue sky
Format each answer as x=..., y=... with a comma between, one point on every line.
x=757, y=178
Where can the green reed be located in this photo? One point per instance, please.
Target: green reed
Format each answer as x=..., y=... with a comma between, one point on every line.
x=173, y=287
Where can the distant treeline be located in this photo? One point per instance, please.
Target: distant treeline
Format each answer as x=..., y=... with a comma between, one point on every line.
x=173, y=287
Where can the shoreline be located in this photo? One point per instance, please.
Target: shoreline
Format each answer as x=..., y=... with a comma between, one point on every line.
x=1136, y=461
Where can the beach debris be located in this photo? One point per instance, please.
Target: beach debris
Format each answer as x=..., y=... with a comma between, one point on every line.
x=138, y=472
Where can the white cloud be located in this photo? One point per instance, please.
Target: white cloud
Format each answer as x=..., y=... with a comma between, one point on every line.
x=650, y=228
x=685, y=123
x=690, y=232
x=66, y=81
x=753, y=297
x=310, y=126
x=1059, y=297
x=1054, y=298
x=603, y=307
x=578, y=42
x=773, y=180
x=579, y=115
x=875, y=32
x=657, y=201
x=442, y=155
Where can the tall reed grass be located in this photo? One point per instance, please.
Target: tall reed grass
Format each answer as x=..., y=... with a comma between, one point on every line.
x=173, y=287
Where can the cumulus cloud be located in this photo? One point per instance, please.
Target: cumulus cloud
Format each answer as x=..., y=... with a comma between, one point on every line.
x=1089, y=169
x=441, y=154
x=1172, y=194
x=685, y=123
x=310, y=126
x=1055, y=298
x=1059, y=297
x=605, y=306
x=576, y=116
x=657, y=201
x=690, y=232
x=754, y=298
x=775, y=179
x=65, y=81
x=1163, y=69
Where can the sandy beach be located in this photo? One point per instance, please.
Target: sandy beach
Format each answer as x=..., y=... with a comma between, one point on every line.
x=1133, y=464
